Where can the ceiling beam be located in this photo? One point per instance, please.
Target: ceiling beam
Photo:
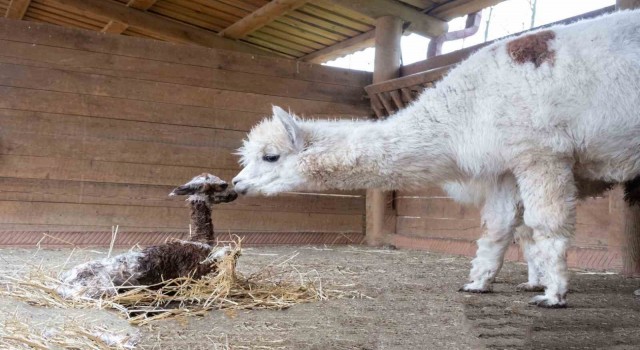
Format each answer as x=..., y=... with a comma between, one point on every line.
x=162, y=27
x=459, y=8
x=418, y=22
x=114, y=27
x=17, y=9
x=141, y=4
x=260, y=18
x=345, y=47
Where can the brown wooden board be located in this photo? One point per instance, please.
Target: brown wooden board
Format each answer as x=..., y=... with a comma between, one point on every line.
x=88, y=192
x=100, y=216
x=93, y=84
x=50, y=35
x=131, y=67
x=96, y=130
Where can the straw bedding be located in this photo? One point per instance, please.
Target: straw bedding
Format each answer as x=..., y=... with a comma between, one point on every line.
x=278, y=285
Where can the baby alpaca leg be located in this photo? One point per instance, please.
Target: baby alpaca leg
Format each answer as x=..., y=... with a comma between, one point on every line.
x=548, y=195
x=524, y=236
x=499, y=217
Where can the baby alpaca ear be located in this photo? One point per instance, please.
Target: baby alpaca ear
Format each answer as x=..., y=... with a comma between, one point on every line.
x=290, y=125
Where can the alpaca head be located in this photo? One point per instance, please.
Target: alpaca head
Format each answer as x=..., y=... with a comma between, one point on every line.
x=270, y=156
x=206, y=187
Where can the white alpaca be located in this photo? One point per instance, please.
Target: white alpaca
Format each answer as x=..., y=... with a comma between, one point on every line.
x=520, y=127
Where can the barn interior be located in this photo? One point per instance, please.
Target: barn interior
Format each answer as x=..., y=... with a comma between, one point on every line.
x=109, y=104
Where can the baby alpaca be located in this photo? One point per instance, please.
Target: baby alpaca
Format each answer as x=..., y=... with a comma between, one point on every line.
x=155, y=264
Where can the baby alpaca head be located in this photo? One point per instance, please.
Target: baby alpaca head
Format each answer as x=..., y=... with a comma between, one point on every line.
x=206, y=187
x=270, y=156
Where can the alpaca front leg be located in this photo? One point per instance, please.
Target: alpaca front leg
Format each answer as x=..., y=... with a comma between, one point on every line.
x=500, y=217
x=548, y=193
x=555, y=277
x=524, y=236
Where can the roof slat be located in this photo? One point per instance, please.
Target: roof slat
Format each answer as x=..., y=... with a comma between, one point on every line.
x=261, y=17
x=169, y=29
x=17, y=9
x=312, y=29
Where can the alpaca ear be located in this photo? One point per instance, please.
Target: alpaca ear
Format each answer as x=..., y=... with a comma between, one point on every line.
x=290, y=125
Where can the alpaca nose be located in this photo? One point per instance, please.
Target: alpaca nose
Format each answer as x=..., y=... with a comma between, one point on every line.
x=235, y=182
x=223, y=186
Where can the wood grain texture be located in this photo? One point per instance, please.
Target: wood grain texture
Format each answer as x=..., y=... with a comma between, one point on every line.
x=17, y=9
x=261, y=17
x=116, y=46
x=171, y=30
x=96, y=131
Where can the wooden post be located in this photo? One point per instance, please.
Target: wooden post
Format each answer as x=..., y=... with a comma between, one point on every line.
x=380, y=216
x=630, y=213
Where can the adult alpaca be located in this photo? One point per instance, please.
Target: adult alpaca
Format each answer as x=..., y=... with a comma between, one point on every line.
x=519, y=128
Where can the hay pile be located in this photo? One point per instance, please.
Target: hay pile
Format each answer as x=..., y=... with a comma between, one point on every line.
x=278, y=285
x=18, y=334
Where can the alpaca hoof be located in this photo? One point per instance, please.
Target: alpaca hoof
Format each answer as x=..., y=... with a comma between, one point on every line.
x=548, y=302
x=527, y=287
x=474, y=288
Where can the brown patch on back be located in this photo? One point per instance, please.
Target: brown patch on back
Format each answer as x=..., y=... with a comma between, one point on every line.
x=533, y=48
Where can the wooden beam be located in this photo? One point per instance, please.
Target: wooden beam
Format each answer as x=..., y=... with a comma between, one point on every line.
x=165, y=28
x=459, y=8
x=114, y=27
x=17, y=9
x=141, y=4
x=345, y=47
x=261, y=17
x=380, y=216
x=418, y=22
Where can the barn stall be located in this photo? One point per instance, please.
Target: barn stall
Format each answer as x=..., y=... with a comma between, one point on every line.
x=108, y=105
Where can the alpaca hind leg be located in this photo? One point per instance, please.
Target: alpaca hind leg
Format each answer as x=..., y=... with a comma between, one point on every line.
x=524, y=236
x=548, y=193
x=500, y=216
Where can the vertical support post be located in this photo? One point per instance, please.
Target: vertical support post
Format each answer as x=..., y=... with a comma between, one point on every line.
x=630, y=212
x=380, y=216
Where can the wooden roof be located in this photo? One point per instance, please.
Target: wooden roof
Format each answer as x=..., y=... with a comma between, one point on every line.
x=309, y=30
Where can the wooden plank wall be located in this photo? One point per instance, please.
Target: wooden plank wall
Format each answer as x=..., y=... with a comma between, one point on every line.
x=95, y=130
x=431, y=220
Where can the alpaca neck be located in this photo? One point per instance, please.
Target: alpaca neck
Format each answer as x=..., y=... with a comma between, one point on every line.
x=201, y=224
x=389, y=154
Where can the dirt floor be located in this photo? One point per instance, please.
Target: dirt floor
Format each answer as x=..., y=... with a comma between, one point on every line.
x=412, y=303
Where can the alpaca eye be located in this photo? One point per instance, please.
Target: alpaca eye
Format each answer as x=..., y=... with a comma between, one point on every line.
x=270, y=158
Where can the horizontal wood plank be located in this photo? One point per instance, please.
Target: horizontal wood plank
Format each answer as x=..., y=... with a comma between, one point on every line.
x=133, y=89
x=183, y=74
x=436, y=208
x=55, y=36
x=35, y=100
x=87, y=192
x=100, y=216
x=439, y=228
